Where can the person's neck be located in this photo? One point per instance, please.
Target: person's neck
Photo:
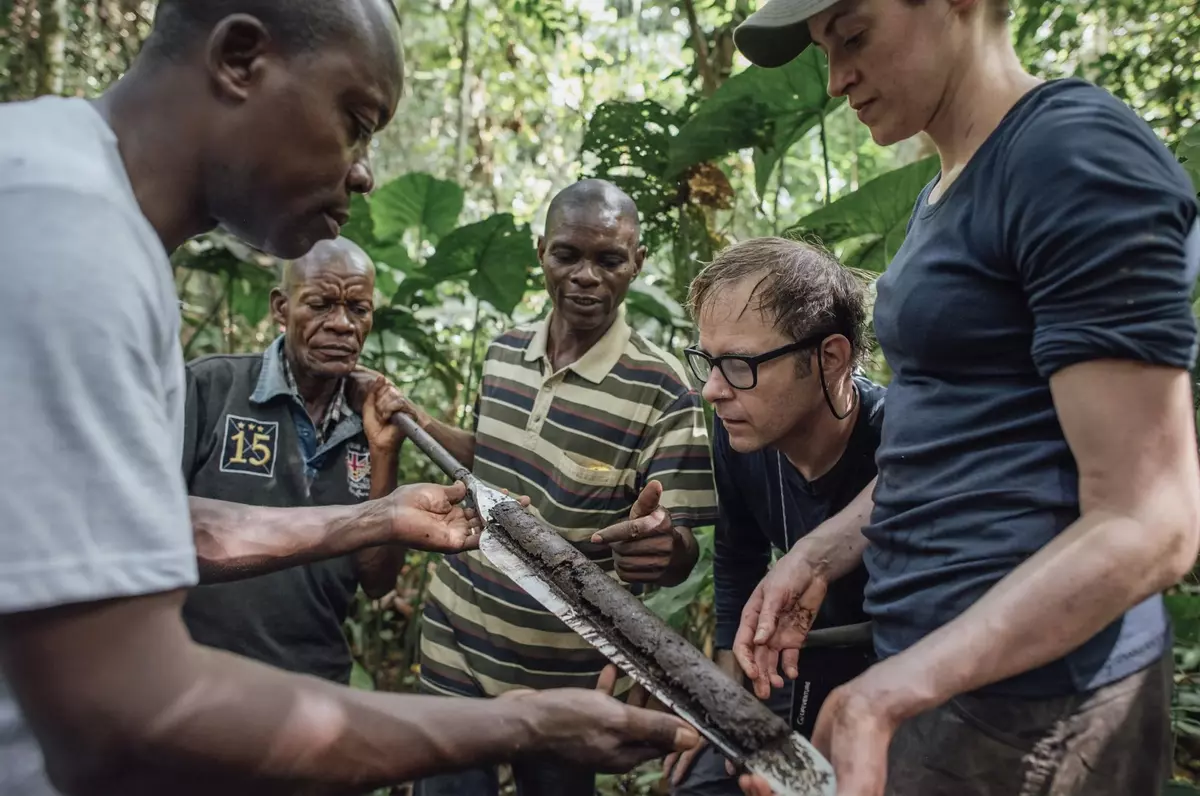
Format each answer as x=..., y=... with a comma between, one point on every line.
x=566, y=346
x=975, y=103
x=316, y=391
x=814, y=447
x=154, y=124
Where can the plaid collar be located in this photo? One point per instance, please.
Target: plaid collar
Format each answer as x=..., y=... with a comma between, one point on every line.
x=276, y=379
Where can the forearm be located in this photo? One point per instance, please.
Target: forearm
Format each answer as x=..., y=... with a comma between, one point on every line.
x=235, y=541
x=378, y=566
x=683, y=560
x=147, y=711
x=1056, y=600
x=459, y=442
x=835, y=547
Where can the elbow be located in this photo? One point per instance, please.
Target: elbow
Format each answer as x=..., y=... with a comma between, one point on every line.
x=1179, y=531
x=1183, y=548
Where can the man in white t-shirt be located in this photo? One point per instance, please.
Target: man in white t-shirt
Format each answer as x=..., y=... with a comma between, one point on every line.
x=256, y=115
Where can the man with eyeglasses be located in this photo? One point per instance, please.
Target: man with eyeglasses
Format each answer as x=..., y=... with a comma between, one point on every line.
x=794, y=438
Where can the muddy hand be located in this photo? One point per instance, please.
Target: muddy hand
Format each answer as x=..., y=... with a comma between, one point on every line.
x=431, y=517
x=776, y=621
x=645, y=545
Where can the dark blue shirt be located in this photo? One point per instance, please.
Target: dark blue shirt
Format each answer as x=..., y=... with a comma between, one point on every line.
x=763, y=502
x=1070, y=236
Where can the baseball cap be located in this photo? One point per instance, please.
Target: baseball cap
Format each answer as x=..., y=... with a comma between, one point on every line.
x=778, y=32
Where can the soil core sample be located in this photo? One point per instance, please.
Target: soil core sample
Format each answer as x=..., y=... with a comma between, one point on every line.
x=693, y=681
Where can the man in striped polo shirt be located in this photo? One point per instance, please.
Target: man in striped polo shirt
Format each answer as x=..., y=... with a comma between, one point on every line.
x=583, y=415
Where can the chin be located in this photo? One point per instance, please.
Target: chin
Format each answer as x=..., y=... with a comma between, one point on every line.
x=743, y=441
x=886, y=134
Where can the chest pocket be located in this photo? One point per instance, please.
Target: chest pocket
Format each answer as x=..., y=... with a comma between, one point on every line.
x=592, y=471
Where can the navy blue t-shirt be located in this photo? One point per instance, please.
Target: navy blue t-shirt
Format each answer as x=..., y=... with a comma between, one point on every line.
x=764, y=502
x=1071, y=235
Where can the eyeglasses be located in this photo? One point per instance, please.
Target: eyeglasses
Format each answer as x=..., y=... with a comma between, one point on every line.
x=741, y=371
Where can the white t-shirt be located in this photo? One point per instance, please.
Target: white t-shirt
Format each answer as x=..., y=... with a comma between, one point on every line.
x=92, y=500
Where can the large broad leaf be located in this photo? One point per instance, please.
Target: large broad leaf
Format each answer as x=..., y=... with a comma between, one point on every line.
x=360, y=228
x=767, y=109
x=1188, y=152
x=631, y=141
x=494, y=254
x=655, y=302
x=415, y=201
x=872, y=221
x=671, y=604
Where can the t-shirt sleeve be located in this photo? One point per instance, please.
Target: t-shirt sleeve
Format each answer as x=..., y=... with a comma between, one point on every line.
x=1099, y=217
x=677, y=456
x=741, y=553
x=92, y=502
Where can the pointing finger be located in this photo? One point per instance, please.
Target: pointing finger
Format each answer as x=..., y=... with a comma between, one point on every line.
x=630, y=529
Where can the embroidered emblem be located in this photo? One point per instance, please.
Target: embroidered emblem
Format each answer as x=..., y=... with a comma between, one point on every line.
x=249, y=446
x=358, y=470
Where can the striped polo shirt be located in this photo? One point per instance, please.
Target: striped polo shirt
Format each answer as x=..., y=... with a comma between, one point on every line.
x=581, y=443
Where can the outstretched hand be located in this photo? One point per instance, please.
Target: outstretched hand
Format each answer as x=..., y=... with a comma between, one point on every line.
x=591, y=729
x=431, y=517
x=776, y=621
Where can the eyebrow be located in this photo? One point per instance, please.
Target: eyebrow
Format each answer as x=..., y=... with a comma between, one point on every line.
x=850, y=8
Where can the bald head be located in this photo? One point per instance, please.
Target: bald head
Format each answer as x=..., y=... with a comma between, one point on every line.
x=295, y=25
x=596, y=200
x=340, y=254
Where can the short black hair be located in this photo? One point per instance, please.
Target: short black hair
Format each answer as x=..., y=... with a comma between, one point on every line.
x=297, y=25
x=589, y=193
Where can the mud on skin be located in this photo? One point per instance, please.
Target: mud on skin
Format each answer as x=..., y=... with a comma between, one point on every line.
x=692, y=679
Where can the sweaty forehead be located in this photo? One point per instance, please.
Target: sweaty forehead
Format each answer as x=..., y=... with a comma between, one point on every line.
x=593, y=223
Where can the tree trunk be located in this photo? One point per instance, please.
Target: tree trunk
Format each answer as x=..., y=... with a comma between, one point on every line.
x=52, y=45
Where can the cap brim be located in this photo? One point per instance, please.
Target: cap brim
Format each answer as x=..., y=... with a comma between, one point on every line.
x=778, y=32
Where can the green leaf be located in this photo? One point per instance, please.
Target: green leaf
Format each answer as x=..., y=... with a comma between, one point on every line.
x=360, y=228
x=871, y=222
x=1185, y=616
x=251, y=299
x=671, y=604
x=360, y=678
x=630, y=142
x=1188, y=152
x=399, y=321
x=653, y=301
x=495, y=255
x=768, y=109
x=415, y=201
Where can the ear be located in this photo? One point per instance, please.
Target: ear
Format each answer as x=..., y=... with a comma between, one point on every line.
x=234, y=54
x=639, y=259
x=279, y=306
x=836, y=355
x=541, y=247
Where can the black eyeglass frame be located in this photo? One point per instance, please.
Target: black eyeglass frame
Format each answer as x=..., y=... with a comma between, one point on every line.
x=751, y=361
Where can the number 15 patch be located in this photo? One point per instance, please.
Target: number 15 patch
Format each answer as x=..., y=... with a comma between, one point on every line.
x=249, y=446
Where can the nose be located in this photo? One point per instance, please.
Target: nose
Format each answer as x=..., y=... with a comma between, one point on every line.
x=841, y=77
x=585, y=275
x=716, y=388
x=338, y=320
x=360, y=179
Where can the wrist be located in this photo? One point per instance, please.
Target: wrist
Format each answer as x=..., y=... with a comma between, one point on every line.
x=900, y=690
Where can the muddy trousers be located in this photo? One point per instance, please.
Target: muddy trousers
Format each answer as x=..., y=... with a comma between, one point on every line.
x=533, y=778
x=1115, y=741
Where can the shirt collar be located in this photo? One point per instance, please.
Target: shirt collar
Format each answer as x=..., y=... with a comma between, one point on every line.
x=597, y=361
x=276, y=379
